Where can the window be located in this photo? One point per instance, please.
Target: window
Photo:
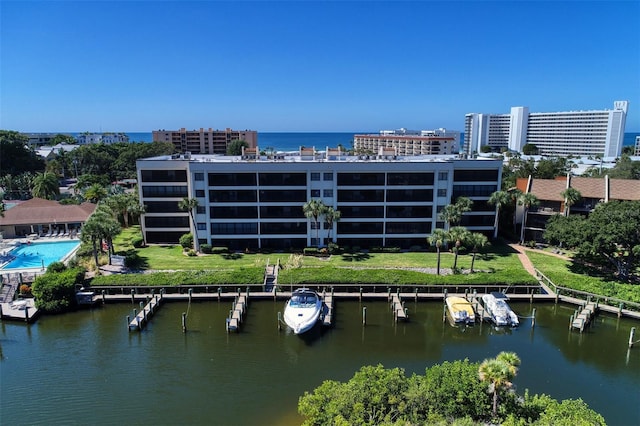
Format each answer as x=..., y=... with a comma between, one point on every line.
x=315, y=176
x=200, y=193
x=315, y=193
x=443, y=175
x=327, y=176
x=328, y=193
x=442, y=192
x=201, y=210
x=315, y=225
x=199, y=177
x=202, y=226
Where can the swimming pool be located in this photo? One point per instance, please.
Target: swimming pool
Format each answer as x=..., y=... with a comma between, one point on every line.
x=39, y=254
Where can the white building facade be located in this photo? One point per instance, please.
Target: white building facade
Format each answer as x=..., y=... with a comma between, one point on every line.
x=582, y=133
x=257, y=203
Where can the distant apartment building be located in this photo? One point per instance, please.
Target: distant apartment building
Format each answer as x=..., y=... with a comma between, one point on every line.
x=637, y=150
x=582, y=133
x=106, y=138
x=255, y=201
x=205, y=141
x=40, y=139
x=407, y=142
x=593, y=191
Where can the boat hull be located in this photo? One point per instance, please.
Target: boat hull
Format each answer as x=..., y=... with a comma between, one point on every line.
x=303, y=311
x=460, y=310
x=499, y=311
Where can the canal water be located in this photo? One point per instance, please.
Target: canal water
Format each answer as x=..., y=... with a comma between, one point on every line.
x=86, y=368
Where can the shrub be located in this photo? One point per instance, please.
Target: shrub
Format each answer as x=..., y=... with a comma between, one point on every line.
x=55, y=291
x=192, y=253
x=56, y=267
x=205, y=248
x=137, y=242
x=310, y=251
x=333, y=248
x=219, y=250
x=186, y=241
x=25, y=290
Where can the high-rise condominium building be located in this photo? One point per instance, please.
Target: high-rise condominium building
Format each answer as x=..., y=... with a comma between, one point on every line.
x=205, y=141
x=585, y=133
x=256, y=201
x=407, y=142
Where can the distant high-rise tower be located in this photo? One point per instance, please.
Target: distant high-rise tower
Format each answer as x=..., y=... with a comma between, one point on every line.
x=599, y=132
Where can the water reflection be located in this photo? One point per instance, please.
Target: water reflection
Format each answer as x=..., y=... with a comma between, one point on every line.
x=207, y=375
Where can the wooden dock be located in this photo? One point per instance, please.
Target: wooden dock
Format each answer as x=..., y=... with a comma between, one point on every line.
x=141, y=318
x=581, y=320
x=399, y=311
x=327, y=318
x=19, y=310
x=237, y=313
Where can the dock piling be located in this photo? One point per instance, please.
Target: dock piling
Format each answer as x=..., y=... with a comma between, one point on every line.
x=632, y=334
x=184, y=322
x=279, y=320
x=533, y=318
x=364, y=315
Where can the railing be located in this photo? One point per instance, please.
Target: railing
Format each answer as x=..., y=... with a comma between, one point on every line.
x=586, y=296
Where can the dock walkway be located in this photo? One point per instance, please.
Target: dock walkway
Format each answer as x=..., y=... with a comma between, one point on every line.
x=399, y=311
x=583, y=319
x=327, y=299
x=141, y=318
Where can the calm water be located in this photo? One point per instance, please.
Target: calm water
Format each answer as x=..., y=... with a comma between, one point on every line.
x=40, y=254
x=86, y=367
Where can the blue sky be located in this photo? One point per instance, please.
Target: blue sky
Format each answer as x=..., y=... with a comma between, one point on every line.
x=309, y=65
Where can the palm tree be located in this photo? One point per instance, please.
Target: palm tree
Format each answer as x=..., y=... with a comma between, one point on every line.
x=459, y=234
x=438, y=238
x=331, y=216
x=101, y=226
x=477, y=241
x=452, y=213
x=2, y=208
x=498, y=199
x=313, y=209
x=571, y=196
x=498, y=375
x=95, y=193
x=511, y=359
x=527, y=200
x=190, y=204
x=45, y=185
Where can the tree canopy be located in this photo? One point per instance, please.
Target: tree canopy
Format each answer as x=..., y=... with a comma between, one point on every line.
x=446, y=392
x=609, y=236
x=17, y=157
x=235, y=147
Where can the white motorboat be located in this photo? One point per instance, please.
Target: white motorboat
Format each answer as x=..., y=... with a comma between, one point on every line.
x=460, y=310
x=303, y=310
x=499, y=310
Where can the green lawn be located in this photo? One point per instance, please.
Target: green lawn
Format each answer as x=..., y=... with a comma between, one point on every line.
x=500, y=266
x=560, y=272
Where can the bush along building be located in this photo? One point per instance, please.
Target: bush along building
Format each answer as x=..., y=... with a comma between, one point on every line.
x=256, y=201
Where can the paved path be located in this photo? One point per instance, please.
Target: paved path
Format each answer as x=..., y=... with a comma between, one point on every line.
x=528, y=266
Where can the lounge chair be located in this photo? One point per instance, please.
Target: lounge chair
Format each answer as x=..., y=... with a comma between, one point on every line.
x=65, y=234
x=48, y=234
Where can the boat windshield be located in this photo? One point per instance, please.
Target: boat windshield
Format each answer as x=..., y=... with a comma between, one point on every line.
x=303, y=300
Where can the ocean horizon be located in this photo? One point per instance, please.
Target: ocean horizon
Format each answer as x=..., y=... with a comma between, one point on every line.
x=292, y=141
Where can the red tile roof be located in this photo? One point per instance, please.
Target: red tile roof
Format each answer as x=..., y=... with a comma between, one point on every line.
x=38, y=210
